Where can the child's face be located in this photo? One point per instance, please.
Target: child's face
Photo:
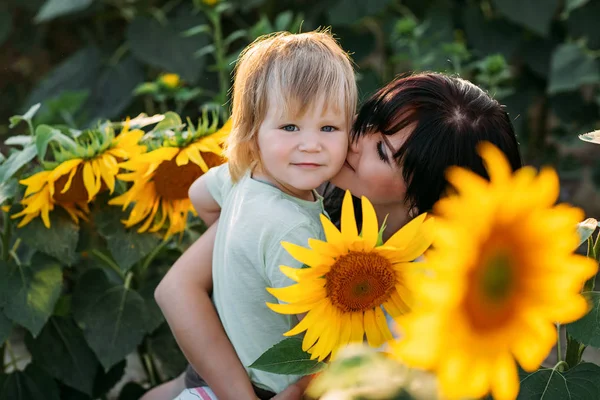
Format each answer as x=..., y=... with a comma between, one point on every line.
x=299, y=154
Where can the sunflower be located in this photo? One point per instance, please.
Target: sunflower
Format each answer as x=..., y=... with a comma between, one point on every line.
x=350, y=280
x=503, y=273
x=161, y=178
x=82, y=169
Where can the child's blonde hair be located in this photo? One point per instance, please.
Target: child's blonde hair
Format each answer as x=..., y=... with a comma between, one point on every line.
x=299, y=69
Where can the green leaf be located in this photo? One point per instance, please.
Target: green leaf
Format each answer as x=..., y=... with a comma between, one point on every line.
x=585, y=229
x=56, y=8
x=490, y=36
x=583, y=24
x=31, y=384
x=19, y=140
x=28, y=116
x=62, y=352
x=587, y=329
x=63, y=107
x=60, y=241
x=127, y=246
x=348, y=12
x=571, y=5
x=8, y=190
x=580, y=382
x=5, y=327
x=28, y=293
x=287, y=358
x=592, y=137
x=155, y=315
x=44, y=134
x=171, y=121
x=78, y=72
x=16, y=161
x=570, y=68
x=534, y=14
x=113, y=318
x=163, y=346
x=112, y=93
x=6, y=25
x=166, y=47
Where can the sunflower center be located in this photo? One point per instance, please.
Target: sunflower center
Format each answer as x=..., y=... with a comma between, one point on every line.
x=489, y=302
x=360, y=281
x=173, y=181
x=76, y=193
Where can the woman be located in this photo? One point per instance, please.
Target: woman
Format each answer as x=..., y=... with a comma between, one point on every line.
x=404, y=138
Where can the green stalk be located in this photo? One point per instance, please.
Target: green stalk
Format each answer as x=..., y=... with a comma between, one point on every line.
x=220, y=57
x=108, y=261
x=574, y=351
x=558, y=344
x=6, y=238
x=591, y=253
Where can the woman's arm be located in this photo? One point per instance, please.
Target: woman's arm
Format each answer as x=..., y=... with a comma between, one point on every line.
x=184, y=298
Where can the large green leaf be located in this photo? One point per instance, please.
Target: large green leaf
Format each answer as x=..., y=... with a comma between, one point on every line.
x=579, y=383
x=163, y=346
x=490, y=36
x=287, y=358
x=165, y=47
x=62, y=352
x=78, y=72
x=587, y=329
x=45, y=134
x=570, y=68
x=534, y=14
x=113, y=318
x=571, y=5
x=28, y=293
x=16, y=161
x=127, y=246
x=113, y=91
x=8, y=190
x=60, y=241
x=5, y=327
x=56, y=8
x=348, y=12
x=583, y=23
x=30, y=384
x=28, y=116
x=155, y=315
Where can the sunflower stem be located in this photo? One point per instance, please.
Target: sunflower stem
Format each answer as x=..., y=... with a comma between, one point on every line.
x=215, y=18
x=590, y=284
x=6, y=237
x=561, y=366
x=128, y=280
x=574, y=351
x=107, y=260
x=558, y=344
x=12, y=357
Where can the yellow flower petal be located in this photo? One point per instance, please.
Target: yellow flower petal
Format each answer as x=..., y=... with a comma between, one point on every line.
x=348, y=226
x=370, y=226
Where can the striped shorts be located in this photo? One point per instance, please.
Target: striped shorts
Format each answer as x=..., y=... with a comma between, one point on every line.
x=199, y=393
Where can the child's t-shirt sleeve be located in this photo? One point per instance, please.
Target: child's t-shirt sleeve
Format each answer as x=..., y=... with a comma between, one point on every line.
x=218, y=182
x=278, y=256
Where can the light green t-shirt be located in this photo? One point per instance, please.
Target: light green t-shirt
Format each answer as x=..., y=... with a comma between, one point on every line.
x=255, y=218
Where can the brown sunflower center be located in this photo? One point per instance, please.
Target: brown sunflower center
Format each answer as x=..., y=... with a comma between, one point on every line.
x=173, y=181
x=76, y=193
x=489, y=301
x=360, y=281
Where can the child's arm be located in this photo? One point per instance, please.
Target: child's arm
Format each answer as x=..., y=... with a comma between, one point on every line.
x=184, y=298
x=204, y=203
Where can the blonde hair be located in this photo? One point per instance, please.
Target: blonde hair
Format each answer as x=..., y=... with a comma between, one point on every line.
x=296, y=69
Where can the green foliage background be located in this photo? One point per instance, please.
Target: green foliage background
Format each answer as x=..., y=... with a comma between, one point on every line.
x=88, y=60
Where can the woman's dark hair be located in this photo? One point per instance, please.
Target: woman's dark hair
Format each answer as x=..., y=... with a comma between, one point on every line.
x=450, y=117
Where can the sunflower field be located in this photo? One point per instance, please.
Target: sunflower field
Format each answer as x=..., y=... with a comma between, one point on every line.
x=110, y=109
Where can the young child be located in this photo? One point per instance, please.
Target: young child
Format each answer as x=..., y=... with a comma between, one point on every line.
x=294, y=98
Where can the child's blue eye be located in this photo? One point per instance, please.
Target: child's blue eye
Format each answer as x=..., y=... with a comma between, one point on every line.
x=328, y=128
x=290, y=128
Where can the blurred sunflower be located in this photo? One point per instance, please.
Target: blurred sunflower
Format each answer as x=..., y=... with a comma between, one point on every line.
x=349, y=278
x=84, y=166
x=161, y=178
x=503, y=273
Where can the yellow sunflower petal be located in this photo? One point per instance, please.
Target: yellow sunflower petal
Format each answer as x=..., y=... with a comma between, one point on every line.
x=333, y=235
x=307, y=256
x=348, y=225
x=370, y=226
x=405, y=235
x=374, y=335
x=89, y=180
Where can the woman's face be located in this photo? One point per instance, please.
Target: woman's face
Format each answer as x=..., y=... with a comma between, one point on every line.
x=371, y=171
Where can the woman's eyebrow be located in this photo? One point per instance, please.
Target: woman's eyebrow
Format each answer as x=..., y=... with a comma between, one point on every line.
x=388, y=144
